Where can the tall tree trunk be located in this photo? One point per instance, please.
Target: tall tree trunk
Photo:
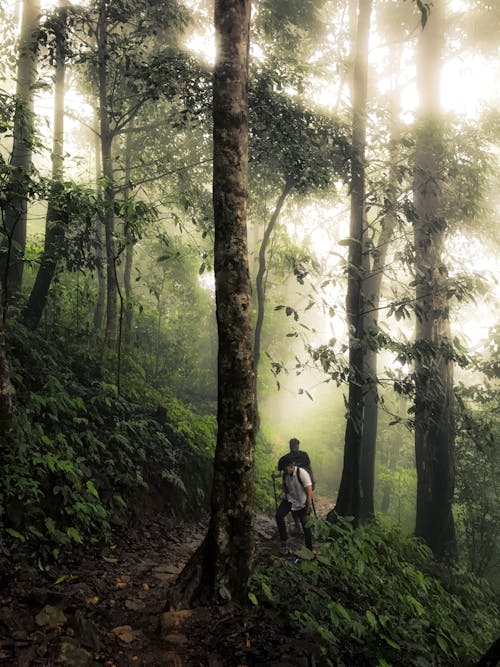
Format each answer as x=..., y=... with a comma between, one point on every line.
x=6, y=389
x=434, y=410
x=222, y=565
x=54, y=224
x=129, y=247
x=100, y=240
x=15, y=216
x=107, y=136
x=372, y=291
x=351, y=492
x=260, y=290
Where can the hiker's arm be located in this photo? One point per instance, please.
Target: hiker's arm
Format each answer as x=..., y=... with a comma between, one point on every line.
x=309, y=491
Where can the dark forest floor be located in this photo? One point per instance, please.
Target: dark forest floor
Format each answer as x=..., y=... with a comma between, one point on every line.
x=108, y=608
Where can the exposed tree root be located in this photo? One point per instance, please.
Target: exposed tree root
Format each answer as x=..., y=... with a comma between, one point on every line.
x=194, y=585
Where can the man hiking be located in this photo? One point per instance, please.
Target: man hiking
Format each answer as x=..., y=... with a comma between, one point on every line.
x=297, y=499
x=301, y=459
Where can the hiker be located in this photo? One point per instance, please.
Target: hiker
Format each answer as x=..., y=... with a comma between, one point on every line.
x=297, y=499
x=299, y=457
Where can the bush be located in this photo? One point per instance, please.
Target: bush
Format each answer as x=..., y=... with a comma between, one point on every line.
x=375, y=597
x=78, y=452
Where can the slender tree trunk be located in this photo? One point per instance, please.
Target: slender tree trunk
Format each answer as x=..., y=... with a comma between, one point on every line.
x=372, y=292
x=100, y=240
x=222, y=565
x=129, y=247
x=351, y=492
x=111, y=328
x=54, y=223
x=15, y=216
x=6, y=389
x=434, y=409
x=260, y=290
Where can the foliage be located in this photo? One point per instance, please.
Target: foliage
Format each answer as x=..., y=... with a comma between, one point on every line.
x=375, y=597
x=77, y=452
x=306, y=148
x=478, y=471
x=265, y=463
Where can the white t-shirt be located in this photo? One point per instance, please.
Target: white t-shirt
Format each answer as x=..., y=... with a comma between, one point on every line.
x=295, y=492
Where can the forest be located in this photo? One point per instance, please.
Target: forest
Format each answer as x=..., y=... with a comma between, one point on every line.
x=227, y=224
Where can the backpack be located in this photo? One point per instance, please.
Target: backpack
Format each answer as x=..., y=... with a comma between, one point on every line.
x=300, y=479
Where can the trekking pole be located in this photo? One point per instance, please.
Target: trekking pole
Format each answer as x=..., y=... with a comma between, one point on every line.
x=275, y=496
x=314, y=508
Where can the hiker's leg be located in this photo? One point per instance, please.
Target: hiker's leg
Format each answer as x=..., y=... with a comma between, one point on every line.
x=304, y=517
x=284, y=508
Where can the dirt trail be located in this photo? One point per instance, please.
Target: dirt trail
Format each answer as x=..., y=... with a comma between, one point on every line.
x=107, y=609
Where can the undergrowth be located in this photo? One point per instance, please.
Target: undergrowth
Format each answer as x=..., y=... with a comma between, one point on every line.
x=375, y=597
x=78, y=454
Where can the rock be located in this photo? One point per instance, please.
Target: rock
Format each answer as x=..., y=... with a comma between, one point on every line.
x=51, y=617
x=173, y=659
x=176, y=638
x=86, y=630
x=126, y=634
x=174, y=619
x=74, y=656
x=134, y=605
x=166, y=569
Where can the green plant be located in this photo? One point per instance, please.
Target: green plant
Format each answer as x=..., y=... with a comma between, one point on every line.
x=375, y=597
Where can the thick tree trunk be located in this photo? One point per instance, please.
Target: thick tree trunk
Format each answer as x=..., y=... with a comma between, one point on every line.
x=351, y=492
x=222, y=565
x=15, y=216
x=260, y=289
x=54, y=224
x=434, y=410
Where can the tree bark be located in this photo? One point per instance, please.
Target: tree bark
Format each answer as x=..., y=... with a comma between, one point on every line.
x=6, y=389
x=350, y=491
x=372, y=293
x=434, y=408
x=15, y=217
x=221, y=566
x=99, y=239
x=129, y=246
x=107, y=136
x=54, y=223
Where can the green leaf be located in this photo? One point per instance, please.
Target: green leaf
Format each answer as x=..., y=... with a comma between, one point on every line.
x=110, y=559
x=15, y=534
x=224, y=592
x=371, y=618
x=74, y=535
x=91, y=488
x=305, y=554
x=442, y=643
x=267, y=592
x=253, y=599
x=64, y=577
x=390, y=641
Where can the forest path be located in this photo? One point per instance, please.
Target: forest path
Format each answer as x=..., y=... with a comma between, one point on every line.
x=107, y=608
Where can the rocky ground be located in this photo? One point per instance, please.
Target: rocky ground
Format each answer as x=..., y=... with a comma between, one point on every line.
x=108, y=608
